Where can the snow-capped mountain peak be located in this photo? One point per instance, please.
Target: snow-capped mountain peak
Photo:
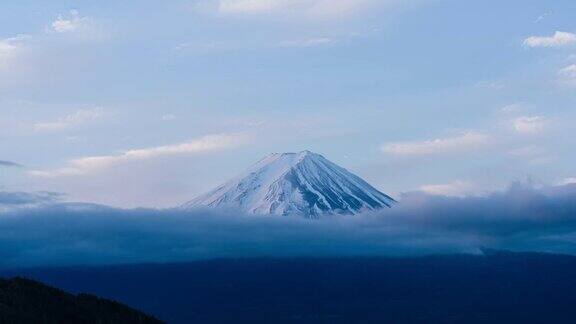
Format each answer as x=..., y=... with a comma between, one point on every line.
x=303, y=183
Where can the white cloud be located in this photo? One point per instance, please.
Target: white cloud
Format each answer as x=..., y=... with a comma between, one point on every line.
x=9, y=50
x=568, y=75
x=532, y=154
x=529, y=124
x=440, y=145
x=569, y=71
x=568, y=181
x=496, y=85
x=511, y=108
x=89, y=164
x=542, y=160
x=168, y=117
x=253, y=6
x=77, y=118
x=308, y=42
x=526, y=151
x=541, y=17
x=454, y=189
x=73, y=22
x=319, y=8
x=558, y=39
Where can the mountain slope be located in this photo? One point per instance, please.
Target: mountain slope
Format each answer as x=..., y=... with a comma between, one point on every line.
x=301, y=183
x=28, y=301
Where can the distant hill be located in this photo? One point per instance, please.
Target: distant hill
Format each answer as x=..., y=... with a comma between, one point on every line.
x=28, y=301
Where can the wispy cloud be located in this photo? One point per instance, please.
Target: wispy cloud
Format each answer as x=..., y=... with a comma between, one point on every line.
x=533, y=155
x=4, y=163
x=570, y=70
x=89, y=164
x=558, y=39
x=529, y=124
x=454, y=189
x=568, y=181
x=526, y=151
x=76, y=26
x=461, y=142
x=169, y=117
x=9, y=50
x=308, y=42
x=72, y=22
x=512, y=108
x=77, y=118
x=568, y=74
x=317, y=8
x=253, y=6
x=27, y=199
x=541, y=17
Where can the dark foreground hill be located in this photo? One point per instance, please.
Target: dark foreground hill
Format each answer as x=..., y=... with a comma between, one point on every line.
x=27, y=301
x=496, y=288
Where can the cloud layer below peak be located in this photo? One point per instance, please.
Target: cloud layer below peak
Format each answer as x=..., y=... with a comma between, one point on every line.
x=519, y=219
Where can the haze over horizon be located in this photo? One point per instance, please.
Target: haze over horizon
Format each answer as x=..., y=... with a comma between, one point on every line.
x=148, y=104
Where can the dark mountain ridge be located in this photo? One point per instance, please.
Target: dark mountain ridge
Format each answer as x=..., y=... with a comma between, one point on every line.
x=27, y=301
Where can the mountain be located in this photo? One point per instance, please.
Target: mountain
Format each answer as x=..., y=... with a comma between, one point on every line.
x=303, y=183
x=28, y=301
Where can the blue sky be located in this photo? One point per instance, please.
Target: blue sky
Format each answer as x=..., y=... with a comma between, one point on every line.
x=147, y=103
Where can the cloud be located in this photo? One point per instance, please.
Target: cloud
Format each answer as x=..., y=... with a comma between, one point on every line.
x=168, y=117
x=77, y=118
x=568, y=74
x=313, y=8
x=73, y=22
x=519, y=219
x=7, y=52
x=10, y=164
x=541, y=17
x=10, y=48
x=568, y=181
x=512, y=108
x=526, y=151
x=253, y=6
x=90, y=164
x=75, y=26
x=558, y=39
x=26, y=198
x=569, y=71
x=11, y=201
x=529, y=124
x=308, y=42
x=462, y=142
x=454, y=189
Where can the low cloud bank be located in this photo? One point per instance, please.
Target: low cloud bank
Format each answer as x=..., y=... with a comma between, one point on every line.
x=519, y=219
x=10, y=164
x=18, y=199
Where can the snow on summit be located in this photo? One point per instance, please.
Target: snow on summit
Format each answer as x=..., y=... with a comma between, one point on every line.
x=303, y=183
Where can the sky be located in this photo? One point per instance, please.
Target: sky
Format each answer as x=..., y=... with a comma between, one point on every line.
x=148, y=103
